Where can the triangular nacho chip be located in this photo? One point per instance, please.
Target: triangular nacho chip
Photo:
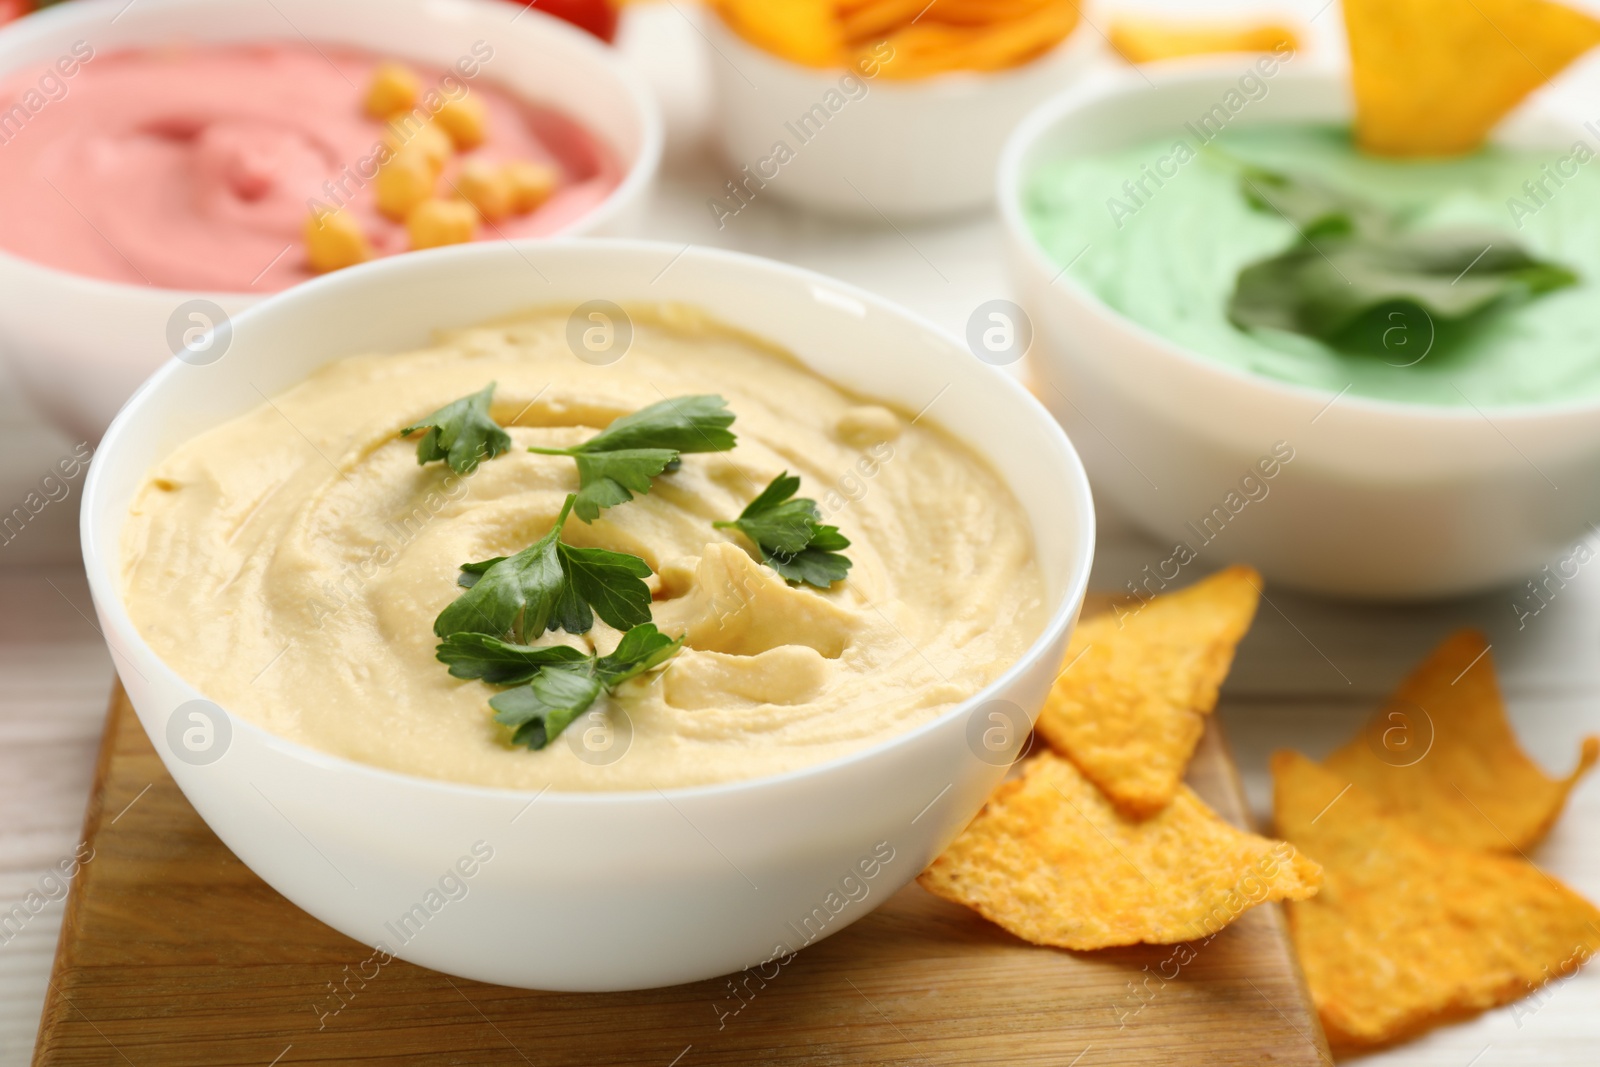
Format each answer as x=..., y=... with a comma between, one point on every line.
x=1149, y=38
x=1051, y=861
x=1405, y=933
x=1440, y=757
x=1432, y=77
x=1137, y=683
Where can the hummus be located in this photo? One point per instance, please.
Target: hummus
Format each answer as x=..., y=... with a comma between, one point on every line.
x=290, y=563
x=1167, y=231
x=189, y=167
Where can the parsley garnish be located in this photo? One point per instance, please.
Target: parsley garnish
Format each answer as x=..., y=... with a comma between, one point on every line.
x=550, y=585
x=461, y=433
x=554, y=685
x=790, y=535
x=622, y=459
x=1356, y=268
x=500, y=662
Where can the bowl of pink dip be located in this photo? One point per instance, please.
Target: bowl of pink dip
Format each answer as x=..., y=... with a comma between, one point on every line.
x=160, y=163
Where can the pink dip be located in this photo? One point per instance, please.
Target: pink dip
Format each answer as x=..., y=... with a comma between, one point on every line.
x=192, y=167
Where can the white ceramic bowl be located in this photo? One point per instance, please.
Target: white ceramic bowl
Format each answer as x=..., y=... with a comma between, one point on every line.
x=591, y=891
x=80, y=345
x=905, y=149
x=1383, y=500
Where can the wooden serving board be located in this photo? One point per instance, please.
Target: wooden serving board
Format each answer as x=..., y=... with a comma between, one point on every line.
x=173, y=953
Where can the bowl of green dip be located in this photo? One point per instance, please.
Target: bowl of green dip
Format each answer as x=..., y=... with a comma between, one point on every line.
x=1369, y=377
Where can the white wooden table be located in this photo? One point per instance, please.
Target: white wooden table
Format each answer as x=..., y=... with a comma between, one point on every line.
x=1305, y=677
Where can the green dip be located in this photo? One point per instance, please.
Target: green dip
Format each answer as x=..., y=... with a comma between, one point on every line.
x=1166, y=255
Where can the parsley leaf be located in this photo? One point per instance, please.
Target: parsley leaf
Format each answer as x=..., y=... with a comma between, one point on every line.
x=1448, y=274
x=1355, y=268
x=501, y=662
x=540, y=710
x=622, y=459
x=1317, y=210
x=554, y=685
x=819, y=563
x=790, y=537
x=461, y=433
x=774, y=521
x=641, y=649
x=683, y=424
x=549, y=585
x=612, y=583
x=606, y=479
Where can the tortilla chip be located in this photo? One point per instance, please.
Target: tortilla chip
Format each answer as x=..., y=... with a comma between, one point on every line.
x=939, y=45
x=801, y=31
x=1146, y=40
x=1136, y=685
x=903, y=38
x=875, y=19
x=1405, y=933
x=1440, y=757
x=1050, y=860
x=1432, y=77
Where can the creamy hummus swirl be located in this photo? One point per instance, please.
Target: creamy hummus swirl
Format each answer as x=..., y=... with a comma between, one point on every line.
x=290, y=563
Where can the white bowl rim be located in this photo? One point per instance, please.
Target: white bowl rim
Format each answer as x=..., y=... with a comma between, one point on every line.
x=1041, y=123
x=640, y=173
x=102, y=563
x=946, y=84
